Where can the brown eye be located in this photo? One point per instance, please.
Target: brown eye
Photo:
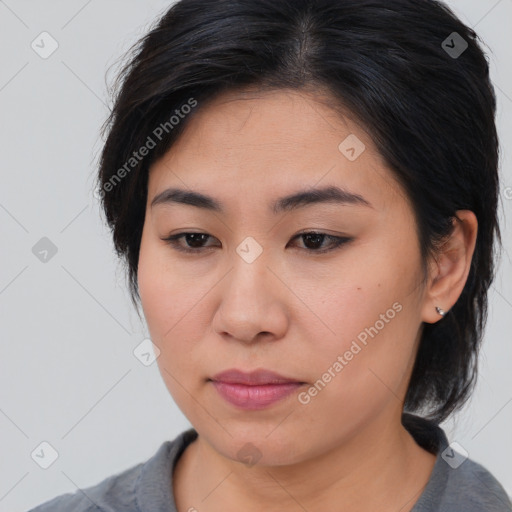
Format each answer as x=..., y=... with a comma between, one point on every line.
x=313, y=241
x=194, y=241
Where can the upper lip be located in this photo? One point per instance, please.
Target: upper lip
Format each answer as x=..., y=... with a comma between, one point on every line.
x=255, y=377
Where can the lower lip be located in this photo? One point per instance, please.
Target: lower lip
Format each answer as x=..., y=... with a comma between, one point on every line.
x=255, y=397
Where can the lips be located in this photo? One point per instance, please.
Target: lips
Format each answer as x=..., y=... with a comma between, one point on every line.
x=254, y=378
x=253, y=390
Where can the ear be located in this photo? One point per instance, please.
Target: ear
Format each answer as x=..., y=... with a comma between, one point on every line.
x=450, y=269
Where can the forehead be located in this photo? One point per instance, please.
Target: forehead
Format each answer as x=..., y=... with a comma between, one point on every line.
x=277, y=120
x=272, y=143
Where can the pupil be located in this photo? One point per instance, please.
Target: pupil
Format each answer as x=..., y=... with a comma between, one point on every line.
x=195, y=237
x=318, y=239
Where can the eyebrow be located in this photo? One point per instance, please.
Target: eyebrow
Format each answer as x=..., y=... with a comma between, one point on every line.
x=301, y=199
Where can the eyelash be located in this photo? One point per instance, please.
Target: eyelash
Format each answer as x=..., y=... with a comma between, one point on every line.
x=337, y=240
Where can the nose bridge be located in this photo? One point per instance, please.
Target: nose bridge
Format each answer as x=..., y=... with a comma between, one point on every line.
x=248, y=302
x=250, y=267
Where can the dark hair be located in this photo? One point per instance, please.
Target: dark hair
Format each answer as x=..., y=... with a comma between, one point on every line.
x=395, y=65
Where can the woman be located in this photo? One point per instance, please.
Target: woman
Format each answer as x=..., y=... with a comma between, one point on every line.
x=305, y=194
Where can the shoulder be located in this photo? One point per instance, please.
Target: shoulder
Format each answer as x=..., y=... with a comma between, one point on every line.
x=115, y=491
x=457, y=483
x=132, y=490
x=471, y=487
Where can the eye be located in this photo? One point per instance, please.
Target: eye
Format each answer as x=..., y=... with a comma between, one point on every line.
x=196, y=239
x=313, y=241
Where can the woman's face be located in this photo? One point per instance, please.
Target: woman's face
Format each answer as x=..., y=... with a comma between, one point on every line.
x=256, y=295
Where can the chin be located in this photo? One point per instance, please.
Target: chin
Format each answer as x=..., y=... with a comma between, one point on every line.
x=254, y=446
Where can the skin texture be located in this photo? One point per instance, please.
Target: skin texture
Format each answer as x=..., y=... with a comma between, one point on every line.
x=291, y=310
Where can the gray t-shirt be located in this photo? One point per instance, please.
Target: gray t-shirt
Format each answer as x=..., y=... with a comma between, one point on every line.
x=147, y=487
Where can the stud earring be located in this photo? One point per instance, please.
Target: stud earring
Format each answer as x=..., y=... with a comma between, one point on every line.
x=440, y=311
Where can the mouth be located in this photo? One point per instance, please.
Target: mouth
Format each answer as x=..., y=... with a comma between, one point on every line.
x=258, y=377
x=254, y=390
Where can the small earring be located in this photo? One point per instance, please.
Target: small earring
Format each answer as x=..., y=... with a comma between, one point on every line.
x=440, y=311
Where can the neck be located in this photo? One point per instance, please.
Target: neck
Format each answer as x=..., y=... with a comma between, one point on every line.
x=380, y=468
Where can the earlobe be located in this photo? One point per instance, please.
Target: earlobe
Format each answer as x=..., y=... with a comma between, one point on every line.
x=442, y=312
x=450, y=270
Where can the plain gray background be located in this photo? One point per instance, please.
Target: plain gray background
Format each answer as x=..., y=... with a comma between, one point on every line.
x=68, y=375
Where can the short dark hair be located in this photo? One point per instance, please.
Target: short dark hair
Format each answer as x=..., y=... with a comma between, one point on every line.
x=395, y=65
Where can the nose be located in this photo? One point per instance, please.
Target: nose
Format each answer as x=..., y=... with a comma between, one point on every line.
x=252, y=302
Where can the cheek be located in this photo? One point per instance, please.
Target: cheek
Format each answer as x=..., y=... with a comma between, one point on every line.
x=173, y=306
x=351, y=302
x=161, y=293
x=370, y=329
x=168, y=317
x=372, y=320
x=152, y=290
x=363, y=373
